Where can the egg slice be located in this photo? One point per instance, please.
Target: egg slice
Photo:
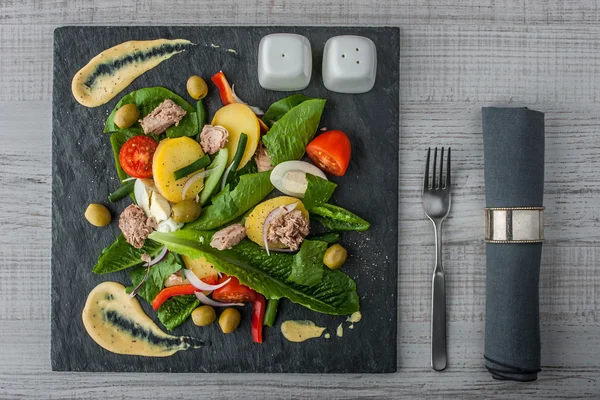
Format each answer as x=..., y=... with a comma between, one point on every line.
x=290, y=177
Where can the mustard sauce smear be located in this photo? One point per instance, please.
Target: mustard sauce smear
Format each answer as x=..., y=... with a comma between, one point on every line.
x=299, y=331
x=118, y=323
x=111, y=71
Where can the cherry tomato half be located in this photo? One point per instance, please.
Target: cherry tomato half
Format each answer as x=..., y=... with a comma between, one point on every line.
x=331, y=152
x=136, y=155
x=233, y=292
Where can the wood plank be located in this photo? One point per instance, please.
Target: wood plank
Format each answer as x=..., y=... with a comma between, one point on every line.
x=308, y=12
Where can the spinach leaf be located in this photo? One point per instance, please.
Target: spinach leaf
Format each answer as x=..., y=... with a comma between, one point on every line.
x=234, y=176
x=279, y=108
x=147, y=99
x=288, y=137
x=228, y=205
x=330, y=237
x=177, y=310
x=121, y=255
x=338, y=218
x=335, y=294
x=156, y=277
x=307, y=268
x=318, y=191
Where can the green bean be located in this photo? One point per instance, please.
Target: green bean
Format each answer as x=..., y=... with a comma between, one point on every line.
x=202, y=117
x=193, y=167
x=122, y=191
x=271, y=312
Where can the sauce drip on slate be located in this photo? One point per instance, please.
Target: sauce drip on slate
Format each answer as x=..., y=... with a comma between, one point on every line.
x=299, y=331
x=111, y=71
x=117, y=323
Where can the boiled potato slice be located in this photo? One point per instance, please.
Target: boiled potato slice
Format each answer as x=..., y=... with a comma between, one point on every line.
x=238, y=118
x=171, y=155
x=200, y=267
x=255, y=222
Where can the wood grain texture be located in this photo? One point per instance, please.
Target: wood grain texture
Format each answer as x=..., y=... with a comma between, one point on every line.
x=460, y=56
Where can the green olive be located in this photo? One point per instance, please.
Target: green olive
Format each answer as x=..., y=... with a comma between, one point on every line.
x=186, y=211
x=197, y=87
x=229, y=320
x=126, y=116
x=335, y=256
x=97, y=215
x=204, y=315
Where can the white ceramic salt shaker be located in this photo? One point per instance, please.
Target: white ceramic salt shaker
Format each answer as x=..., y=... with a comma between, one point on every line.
x=349, y=64
x=284, y=62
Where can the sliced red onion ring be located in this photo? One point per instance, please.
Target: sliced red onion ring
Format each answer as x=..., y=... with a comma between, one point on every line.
x=226, y=175
x=279, y=211
x=254, y=109
x=210, y=302
x=139, y=286
x=128, y=179
x=159, y=257
x=199, y=284
x=193, y=179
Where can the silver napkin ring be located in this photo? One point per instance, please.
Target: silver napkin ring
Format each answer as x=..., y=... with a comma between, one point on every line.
x=514, y=225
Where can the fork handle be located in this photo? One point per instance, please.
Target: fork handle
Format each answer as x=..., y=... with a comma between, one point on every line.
x=438, y=305
x=438, y=321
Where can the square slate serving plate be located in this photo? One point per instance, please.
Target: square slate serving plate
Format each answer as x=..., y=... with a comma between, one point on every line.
x=83, y=172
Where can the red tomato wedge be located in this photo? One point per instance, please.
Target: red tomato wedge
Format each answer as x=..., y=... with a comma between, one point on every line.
x=233, y=292
x=136, y=155
x=331, y=152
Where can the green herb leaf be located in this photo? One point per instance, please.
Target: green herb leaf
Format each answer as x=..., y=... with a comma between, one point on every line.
x=334, y=294
x=288, y=137
x=329, y=238
x=146, y=100
x=121, y=255
x=177, y=310
x=234, y=176
x=338, y=219
x=307, y=268
x=318, y=191
x=279, y=108
x=228, y=205
x=156, y=277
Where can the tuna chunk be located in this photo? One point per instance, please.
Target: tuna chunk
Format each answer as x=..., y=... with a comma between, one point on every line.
x=136, y=226
x=165, y=115
x=263, y=161
x=213, y=138
x=289, y=229
x=228, y=237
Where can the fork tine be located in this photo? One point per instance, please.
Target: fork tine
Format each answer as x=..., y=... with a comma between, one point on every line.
x=433, y=185
x=448, y=170
x=441, y=169
x=426, y=179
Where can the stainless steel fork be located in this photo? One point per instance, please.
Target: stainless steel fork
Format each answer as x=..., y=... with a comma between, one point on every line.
x=436, y=204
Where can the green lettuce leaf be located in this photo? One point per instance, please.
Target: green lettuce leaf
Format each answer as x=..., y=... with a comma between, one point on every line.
x=288, y=137
x=335, y=294
x=279, y=108
x=329, y=237
x=229, y=205
x=156, y=277
x=307, y=268
x=121, y=255
x=337, y=218
x=318, y=191
x=234, y=176
x=177, y=310
x=146, y=100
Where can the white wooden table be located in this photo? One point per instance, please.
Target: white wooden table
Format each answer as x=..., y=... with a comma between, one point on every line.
x=456, y=57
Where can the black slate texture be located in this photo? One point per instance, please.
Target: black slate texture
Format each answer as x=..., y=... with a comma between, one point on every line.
x=83, y=172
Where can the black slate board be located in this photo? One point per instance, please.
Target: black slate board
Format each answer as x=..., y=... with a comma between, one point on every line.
x=83, y=172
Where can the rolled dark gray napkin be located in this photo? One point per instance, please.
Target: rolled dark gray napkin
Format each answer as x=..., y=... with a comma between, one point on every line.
x=513, y=143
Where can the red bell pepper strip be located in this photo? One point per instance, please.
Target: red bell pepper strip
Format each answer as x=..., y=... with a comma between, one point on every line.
x=169, y=292
x=258, y=314
x=224, y=88
x=227, y=97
